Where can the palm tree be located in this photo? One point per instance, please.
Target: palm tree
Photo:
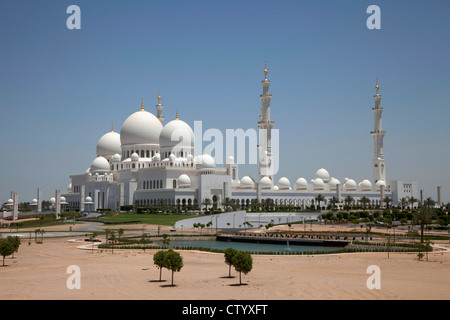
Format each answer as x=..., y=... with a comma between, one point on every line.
x=364, y=201
x=206, y=202
x=319, y=198
x=333, y=201
x=403, y=202
x=429, y=202
x=387, y=200
x=423, y=215
x=348, y=200
x=412, y=200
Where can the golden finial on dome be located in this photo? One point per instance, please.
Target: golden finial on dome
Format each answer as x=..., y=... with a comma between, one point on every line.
x=159, y=96
x=112, y=127
x=142, y=105
x=176, y=117
x=377, y=87
x=265, y=70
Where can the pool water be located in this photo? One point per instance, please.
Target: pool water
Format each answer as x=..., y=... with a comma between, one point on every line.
x=247, y=246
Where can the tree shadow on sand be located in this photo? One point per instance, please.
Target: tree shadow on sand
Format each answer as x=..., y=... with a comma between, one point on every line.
x=157, y=280
x=238, y=284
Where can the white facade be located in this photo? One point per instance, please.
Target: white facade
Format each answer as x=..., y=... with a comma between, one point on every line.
x=150, y=164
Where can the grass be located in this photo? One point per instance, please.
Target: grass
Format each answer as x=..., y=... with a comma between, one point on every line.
x=156, y=219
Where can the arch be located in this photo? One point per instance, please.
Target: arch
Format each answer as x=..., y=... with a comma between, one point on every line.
x=174, y=183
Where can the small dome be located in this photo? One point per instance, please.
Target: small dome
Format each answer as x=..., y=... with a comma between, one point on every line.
x=235, y=183
x=10, y=202
x=205, y=161
x=318, y=184
x=265, y=183
x=109, y=144
x=63, y=200
x=276, y=188
x=333, y=183
x=116, y=158
x=350, y=185
x=134, y=157
x=184, y=181
x=99, y=164
x=230, y=160
x=284, y=183
x=247, y=183
x=365, y=185
x=157, y=157
x=172, y=157
x=52, y=200
x=190, y=157
x=323, y=174
x=34, y=202
x=379, y=184
x=88, y=199
x=301, y=184
x=69, y=188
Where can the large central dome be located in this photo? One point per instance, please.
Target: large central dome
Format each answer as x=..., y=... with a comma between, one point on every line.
x=141, y=127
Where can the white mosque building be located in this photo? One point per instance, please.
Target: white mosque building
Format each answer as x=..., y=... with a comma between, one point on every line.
x=149, y=164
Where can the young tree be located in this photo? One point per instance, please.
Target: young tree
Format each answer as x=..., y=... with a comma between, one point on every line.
x=158, y=260
x=173, y=261
x=229, y=255
x=243, y=263
x=6, y=249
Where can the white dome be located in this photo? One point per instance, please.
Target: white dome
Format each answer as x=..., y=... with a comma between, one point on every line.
x=265, y=183
x=52, y=200
x=284, y=183
x=235, y=183
x=172, y=157
x=205, y=161
x=63, y=200
x=10, y=201
x=190, y=157
x=247, y=183
x=333, y=183
x=365, y=185
x=350, y=184
x=379, y=184
x=34, y=202
x=301, y=184
x=157, y=157
x=117, y=157
x=276, y=188
x=88, y=199
x=323, y=174
x=184, y=181
x=230, y=160
x=109, y=144
x=99, y=164
x=141, y=127
x=69, y=188
x=176, y=133
x=318, y=184
x=134, y=157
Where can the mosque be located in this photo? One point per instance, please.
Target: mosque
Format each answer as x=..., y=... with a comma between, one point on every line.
x=151, y=163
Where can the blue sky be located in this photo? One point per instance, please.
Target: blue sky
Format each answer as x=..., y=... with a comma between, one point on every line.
x=61, y=89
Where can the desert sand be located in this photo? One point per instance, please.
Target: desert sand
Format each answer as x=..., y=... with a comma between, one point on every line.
x=39, y=271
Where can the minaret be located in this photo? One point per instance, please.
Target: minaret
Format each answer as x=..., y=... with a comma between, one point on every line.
x=159, y=109
x=265, y=126
x=379, y=164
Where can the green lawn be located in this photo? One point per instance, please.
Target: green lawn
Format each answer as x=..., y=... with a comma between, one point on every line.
x=161, y=219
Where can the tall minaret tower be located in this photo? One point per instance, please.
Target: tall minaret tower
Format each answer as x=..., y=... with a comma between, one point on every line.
x=265, y=132
x=379, y=164
x=159, y=109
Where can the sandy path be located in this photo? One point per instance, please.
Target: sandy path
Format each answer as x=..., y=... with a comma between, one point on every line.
x=39, y=272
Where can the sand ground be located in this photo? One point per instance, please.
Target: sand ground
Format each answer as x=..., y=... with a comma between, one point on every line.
x=39, y=271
